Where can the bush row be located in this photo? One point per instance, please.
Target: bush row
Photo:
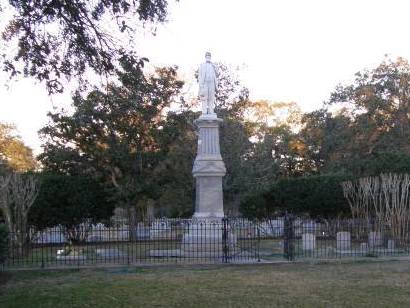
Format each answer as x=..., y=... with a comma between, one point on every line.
x=315, y=196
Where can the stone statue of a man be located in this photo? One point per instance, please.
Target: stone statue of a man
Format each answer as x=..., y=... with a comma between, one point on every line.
x=207, y=85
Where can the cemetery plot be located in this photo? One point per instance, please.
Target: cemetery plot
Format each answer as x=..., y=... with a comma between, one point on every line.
x=231, y=240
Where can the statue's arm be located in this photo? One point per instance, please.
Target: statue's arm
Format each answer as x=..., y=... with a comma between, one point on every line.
x=200, y=75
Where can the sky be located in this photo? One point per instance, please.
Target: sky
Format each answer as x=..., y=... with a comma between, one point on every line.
x=294, y=50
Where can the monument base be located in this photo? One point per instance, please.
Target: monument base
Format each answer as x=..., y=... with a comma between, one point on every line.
x=207, y=237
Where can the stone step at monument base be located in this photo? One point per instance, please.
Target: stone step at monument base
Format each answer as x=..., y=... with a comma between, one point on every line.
x=204, y=238
x=207, y=241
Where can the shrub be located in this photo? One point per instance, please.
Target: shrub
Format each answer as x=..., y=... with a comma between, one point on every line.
x=70, y=201
x=316, y=196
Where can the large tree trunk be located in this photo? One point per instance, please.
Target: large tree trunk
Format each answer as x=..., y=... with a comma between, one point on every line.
x=17, y=197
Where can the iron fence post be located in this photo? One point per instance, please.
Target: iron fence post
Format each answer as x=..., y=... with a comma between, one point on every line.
x=289, y=237
x=224, y=239
x=258, y=241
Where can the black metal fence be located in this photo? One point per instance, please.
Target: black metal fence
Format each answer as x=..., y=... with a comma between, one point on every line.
x=149, y=242
x=295, y=238
x=227, y=240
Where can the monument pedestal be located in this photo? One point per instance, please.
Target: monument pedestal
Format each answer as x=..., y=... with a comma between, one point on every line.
x=205, y=236
x=208, y=169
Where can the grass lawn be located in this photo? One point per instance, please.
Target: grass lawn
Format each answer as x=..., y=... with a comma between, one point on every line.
x=372, y=284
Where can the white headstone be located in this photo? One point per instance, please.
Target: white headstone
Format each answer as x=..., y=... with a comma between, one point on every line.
x=391, y=244
x=375, y=239
x=309, y=226
x=363, y=247
x=308, y=241
x=343, y=240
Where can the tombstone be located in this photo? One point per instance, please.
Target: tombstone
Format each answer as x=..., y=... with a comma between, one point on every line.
x=141, y=232
x=309, y=226
x=53, y=235
x=375, y=239
x=159, y=229
x=277, y=227
x=343, y=240
x=95, y=238
x=97, y=233
x=273, y=227
x=297, y=227
x=308, y=241
x=391, y=244
x=364, y=247
x=110, y=253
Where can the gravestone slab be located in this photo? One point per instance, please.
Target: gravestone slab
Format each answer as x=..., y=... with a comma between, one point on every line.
x=343, y=240
x=110, y=253
x=375, y=239
x=308, y=241
x=391, y=244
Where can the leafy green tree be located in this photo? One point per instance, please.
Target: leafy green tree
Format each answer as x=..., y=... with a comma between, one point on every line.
x=74, y=202
x=58, y=38
x=326, y=137
x=369, y=132
x=175, y=184
x=277, y=148
x=14, y=154
x=378, y=104
x=115, y=135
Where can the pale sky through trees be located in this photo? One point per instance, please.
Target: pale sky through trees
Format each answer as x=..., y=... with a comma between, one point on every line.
x=287, y=50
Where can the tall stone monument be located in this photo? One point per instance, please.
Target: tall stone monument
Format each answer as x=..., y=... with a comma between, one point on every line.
x=204, y=236
x=209, y=167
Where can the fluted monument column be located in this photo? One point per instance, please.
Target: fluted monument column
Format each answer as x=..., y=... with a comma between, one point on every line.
x=208, y=169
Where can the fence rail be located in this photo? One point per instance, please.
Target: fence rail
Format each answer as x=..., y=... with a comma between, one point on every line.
x=227, y=240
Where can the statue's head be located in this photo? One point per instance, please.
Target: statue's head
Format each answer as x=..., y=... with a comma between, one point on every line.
x=208, y=56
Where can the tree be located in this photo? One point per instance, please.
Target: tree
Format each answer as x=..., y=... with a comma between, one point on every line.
x=56, y=39
x=367, y=131
x=14, y=154
x=18, y=193
x=175, y=184
x=74, y=202
x=115, y=135
x=378, y=106
x=326, y=137
x=383, y=199
x=277, y=148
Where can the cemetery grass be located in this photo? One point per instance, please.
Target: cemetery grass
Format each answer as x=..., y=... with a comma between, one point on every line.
x=376, y=284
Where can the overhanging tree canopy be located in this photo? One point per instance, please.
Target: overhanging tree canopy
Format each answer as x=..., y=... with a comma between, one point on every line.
x=59, y=38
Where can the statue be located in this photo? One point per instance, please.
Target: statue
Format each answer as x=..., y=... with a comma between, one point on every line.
x=207, y=85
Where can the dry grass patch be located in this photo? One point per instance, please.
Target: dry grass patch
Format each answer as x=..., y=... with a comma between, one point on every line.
x=287, y=285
